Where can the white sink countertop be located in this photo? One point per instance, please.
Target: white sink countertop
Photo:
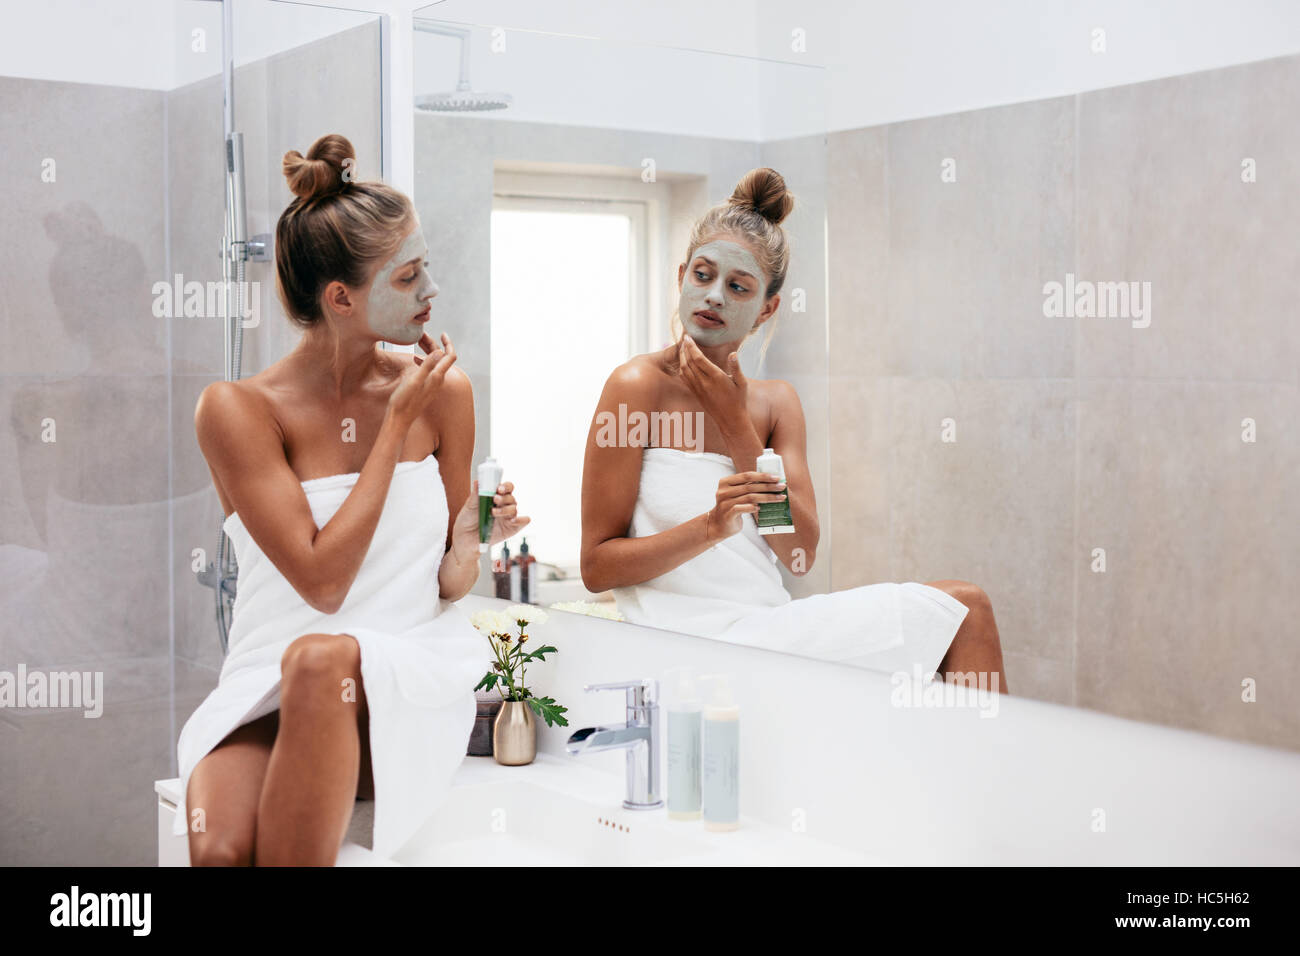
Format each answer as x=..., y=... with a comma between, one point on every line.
x=558, y=812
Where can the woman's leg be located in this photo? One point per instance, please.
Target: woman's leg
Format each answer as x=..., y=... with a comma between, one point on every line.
x=313, y=776
x=226, y=786
x=977, y=647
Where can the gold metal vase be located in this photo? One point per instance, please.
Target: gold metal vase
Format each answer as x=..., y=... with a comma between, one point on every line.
x=514, y=734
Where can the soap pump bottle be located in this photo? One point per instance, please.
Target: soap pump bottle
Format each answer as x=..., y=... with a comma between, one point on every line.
x=721, y=758
x=683, y=707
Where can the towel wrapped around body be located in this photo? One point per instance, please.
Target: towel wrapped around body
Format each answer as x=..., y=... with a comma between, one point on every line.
x=420, y=656
x=733, y=591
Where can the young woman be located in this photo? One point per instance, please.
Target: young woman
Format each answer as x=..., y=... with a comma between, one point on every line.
x=348, y=674
x=664, y=526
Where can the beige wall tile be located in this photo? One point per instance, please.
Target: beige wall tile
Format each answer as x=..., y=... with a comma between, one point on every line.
x=1199, y=532
x=995, y=507
x=968, y=259
x=1161, y=200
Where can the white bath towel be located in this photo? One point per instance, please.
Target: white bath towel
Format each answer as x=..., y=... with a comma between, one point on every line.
x=733, y=591
x=420, y=656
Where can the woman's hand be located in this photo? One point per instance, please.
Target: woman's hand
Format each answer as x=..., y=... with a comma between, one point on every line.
x=737, y=495
x=420, y=382
x=724, y=395
x=506, y=521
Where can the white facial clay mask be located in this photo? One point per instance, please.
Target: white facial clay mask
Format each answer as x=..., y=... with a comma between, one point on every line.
x=400, y=292
x=720, y=294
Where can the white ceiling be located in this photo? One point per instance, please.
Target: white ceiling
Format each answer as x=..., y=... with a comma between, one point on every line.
x=886, y=60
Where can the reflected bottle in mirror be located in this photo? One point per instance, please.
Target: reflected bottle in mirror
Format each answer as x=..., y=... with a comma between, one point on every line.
x=501, y=574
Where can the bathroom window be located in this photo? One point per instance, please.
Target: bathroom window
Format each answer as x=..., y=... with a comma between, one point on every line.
x=569, y=293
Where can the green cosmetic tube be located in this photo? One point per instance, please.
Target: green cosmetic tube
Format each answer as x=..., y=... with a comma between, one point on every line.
x=773, y=516
x=489, y=476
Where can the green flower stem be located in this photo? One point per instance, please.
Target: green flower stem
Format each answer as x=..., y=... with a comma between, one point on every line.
x=509, y=657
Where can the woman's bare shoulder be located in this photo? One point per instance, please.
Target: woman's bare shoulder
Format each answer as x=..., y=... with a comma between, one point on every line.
x=777, y=391
x=640, y=377
x=227, y=410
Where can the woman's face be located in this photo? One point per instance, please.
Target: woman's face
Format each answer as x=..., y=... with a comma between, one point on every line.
x=721, y=293
x=398, y=303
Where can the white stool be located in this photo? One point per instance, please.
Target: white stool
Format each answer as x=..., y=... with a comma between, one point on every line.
x=174, y=850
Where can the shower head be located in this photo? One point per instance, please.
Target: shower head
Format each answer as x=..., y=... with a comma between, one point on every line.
x=462, y=99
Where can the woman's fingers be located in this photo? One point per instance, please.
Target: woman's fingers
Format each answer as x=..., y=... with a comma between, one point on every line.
x=426, y=343
x=743, y=479
x=700, y=364
x=685, y=361
x=757, y=498
x=431, y=349
x=737, y=376
x=734, y=515
x=444, y=356
x=449, y=357
x=504, y=501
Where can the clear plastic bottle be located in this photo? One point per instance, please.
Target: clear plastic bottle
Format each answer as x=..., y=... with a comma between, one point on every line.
x=720, y=789
x=684, y=713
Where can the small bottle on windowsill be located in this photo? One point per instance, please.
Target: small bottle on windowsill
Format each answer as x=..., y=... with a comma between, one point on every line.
x=527, y=574
x=501, y=573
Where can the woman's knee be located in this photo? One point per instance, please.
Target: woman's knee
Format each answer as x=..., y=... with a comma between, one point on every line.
x=318, y=668
x=214, y=849
x=320, y=658
x=972, y=595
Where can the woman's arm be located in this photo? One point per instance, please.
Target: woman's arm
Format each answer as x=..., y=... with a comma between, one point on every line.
x=724, y=395
x=455, y=427
x=611, y=479
x=460, y=564
x=244, y=447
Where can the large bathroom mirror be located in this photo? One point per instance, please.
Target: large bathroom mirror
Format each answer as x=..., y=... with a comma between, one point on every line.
x=562, y=209
x=992, y=402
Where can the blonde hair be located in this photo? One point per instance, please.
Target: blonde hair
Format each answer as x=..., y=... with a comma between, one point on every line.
x=336, y=229
x=755, y=211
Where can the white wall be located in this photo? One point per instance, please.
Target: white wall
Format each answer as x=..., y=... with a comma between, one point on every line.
x=717, y=26
x=152, y=44
x=132, y=43
x=890, y=60
x=893, y=60
x=887, y=60
x=607, y=83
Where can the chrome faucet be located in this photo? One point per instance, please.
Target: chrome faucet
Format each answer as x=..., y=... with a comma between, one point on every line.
x=639, y=737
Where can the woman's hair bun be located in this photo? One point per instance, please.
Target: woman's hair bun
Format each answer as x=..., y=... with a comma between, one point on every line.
x=763, y=190
x=328, y=167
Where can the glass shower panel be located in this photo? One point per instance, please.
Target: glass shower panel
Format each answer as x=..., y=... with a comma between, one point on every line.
x=112, y=135
x=87, y=418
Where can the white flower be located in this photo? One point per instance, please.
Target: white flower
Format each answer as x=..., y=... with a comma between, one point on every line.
x=605, y=609
x=530, y=614
x=492, y=622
